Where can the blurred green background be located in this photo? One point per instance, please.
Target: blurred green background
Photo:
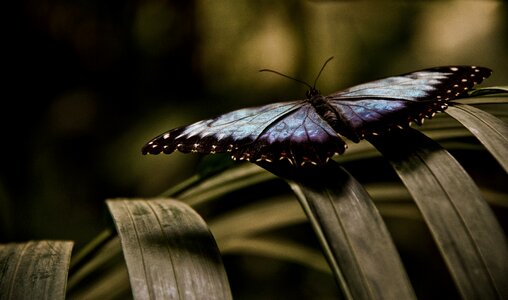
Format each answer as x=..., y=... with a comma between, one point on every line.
x=89, y=82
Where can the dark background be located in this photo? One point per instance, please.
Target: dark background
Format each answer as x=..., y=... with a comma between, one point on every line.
x=87, y=83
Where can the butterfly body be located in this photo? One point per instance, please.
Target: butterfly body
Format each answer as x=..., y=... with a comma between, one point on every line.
x=308, y=132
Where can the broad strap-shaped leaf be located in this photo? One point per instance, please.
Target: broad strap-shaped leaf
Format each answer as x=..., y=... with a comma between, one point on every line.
x=169, y=251
x=491, y=131
x=466, y=231
x=353, y=235
x=34, y=270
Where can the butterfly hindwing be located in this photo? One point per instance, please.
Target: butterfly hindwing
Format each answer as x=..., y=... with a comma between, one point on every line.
x=380, y=105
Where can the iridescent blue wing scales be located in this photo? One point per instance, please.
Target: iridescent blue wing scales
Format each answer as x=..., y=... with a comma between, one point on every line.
x=301, y=137
x=378, y=106
x=221, y=134
x=291, y=131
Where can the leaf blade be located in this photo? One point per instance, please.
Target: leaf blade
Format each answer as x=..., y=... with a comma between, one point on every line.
x=169, y=250
x=355, y=240
x=465, y=229
x=34, y=270
x=490, y=131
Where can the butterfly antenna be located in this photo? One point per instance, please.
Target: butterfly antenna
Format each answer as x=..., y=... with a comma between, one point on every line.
x=284, y=75
x=320, y=71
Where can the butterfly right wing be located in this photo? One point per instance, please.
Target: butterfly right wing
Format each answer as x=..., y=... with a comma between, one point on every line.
x=377, y=106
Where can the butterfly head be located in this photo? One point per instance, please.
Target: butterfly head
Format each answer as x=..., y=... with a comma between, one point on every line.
x=312, y=92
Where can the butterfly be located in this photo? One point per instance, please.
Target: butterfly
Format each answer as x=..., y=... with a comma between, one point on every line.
x=309, y=132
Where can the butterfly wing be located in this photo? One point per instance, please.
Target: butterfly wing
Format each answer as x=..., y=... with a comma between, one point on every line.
x=380, y=105
x=285, y=130
x=301, y=137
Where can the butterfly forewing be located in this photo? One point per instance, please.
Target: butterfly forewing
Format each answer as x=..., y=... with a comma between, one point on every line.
x=221, y=134
x=377, y=106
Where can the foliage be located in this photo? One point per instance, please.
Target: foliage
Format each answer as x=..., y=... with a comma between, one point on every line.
x=360, y=247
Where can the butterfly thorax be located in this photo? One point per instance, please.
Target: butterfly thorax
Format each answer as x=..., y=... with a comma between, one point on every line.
x=322, y=107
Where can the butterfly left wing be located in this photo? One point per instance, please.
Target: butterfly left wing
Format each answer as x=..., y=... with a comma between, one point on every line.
x=224, y=133
x=291, y=131
x=377, y=106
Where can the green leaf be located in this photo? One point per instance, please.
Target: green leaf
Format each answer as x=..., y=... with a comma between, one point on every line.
x=488, y=91
x=466, y=231
x=491, y=131
x=355, y=240
x=169, y=251
x=34, y=270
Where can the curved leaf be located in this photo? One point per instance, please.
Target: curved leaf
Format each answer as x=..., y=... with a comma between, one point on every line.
x=170, y=253
x=466, y=231
x=355, y=240
x=492, y=132
x=34, y=270
x=488, y=91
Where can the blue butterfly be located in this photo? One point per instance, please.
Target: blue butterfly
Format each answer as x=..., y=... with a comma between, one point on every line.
x=309, y=132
